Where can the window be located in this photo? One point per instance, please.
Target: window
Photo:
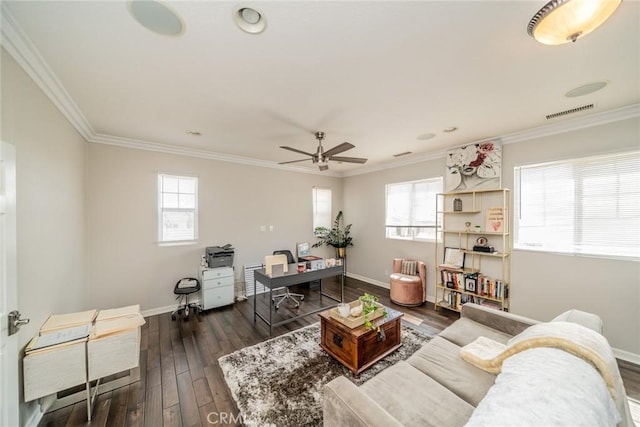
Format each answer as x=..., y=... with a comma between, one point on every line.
x=411, y=209
x=586, y=206
x=177, y=208
x=321, y=207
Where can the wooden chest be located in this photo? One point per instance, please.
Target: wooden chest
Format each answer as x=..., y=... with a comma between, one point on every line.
x=359, y=348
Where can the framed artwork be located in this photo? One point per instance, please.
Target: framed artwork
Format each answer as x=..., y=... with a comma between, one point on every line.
x=470, y=284
x=453, y=258
x=473, y=167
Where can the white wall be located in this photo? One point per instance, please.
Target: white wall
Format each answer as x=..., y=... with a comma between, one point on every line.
x=543, y=285
x=50, y=167
x=127, y=266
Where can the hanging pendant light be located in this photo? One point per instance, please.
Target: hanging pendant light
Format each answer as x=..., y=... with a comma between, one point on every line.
x=563, y=21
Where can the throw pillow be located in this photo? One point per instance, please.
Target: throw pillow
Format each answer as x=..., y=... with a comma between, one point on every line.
x=409, y=267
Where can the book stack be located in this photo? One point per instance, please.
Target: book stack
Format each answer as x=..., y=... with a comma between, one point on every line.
x=492, y=287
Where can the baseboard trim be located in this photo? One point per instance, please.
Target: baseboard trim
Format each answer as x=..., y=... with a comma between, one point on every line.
x=368, y=280
x=159, y=310
x=627, y=356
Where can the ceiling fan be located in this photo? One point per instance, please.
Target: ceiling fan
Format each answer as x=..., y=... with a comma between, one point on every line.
x=321, y=157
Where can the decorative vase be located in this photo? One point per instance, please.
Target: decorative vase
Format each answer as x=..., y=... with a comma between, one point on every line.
x=341, y=252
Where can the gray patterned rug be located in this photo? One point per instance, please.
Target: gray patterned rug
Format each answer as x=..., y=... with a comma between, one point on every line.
x=279, y=382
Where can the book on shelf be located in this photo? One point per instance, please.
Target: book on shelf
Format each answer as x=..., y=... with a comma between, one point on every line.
x=495, y=220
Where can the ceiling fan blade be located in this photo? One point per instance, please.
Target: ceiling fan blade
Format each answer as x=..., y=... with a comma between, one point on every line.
x=295, y=150
x=349, y=159
x=339, y=149
x=294, y=161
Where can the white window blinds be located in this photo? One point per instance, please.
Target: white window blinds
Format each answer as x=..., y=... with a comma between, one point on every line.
x=588, y=206
x=411, y=209
x=177, y=208
x=321, y=207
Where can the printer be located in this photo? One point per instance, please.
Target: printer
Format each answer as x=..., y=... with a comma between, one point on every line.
x=219, y=256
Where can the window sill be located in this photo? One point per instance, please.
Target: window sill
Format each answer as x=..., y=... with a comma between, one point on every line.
x=178, y=243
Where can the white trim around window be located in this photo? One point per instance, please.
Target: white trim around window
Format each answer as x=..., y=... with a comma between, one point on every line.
x=177, y=209
x=321, y=207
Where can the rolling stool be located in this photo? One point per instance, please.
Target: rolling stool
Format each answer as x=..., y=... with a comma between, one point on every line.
x=183, y=289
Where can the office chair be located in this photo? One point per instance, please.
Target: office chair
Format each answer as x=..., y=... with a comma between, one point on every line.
x=286, y=294
x=183, y=289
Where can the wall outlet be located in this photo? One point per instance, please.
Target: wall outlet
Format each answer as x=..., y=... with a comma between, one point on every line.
x=271, y=228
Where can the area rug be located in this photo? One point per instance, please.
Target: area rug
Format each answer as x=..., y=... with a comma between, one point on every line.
x=280, y=382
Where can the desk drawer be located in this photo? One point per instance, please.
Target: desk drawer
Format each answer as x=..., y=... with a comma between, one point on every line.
x=217, y=283
x=217, y=297
x=217, y=273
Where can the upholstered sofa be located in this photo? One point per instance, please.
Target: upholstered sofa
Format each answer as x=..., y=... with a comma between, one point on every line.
x=437, y=387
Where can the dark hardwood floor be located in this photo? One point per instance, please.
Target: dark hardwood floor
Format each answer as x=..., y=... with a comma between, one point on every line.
x=181, y=383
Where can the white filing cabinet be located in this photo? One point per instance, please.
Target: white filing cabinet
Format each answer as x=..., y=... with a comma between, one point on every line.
x=217, y=286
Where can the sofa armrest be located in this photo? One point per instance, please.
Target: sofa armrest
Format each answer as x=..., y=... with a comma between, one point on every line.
x=346, y=405
x=510, y=324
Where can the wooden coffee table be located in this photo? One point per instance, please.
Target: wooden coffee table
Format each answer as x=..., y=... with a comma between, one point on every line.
x=360, y=348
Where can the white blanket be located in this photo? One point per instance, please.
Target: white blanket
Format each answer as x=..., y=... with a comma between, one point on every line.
x=580, y=347
x=546, y=387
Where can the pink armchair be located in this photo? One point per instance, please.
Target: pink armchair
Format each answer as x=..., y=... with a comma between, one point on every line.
x=408, y=282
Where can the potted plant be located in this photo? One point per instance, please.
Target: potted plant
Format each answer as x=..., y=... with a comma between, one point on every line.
x=369, y=305
x=337, y=236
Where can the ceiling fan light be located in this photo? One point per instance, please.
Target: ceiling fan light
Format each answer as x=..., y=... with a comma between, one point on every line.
x=563, y=21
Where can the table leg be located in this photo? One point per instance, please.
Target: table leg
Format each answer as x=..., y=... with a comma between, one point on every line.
x=270, y=311
x=255, y=298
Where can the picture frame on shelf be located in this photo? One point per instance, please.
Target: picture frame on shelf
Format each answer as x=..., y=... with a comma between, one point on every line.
x=470, y=283
x=453, y=258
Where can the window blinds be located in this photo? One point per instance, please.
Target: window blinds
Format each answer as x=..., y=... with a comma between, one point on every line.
x=588, y=206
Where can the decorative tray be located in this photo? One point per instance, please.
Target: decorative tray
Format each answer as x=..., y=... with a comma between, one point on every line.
x=354, y=322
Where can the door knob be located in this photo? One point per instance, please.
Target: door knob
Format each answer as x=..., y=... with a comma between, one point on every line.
x=15, y=322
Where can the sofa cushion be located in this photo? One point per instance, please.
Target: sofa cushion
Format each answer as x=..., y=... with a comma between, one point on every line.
x=440, y=359
x=415, y=399
x=589, y=320
x=465, y=331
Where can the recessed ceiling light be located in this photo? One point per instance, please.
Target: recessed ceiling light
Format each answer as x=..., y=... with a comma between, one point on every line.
x=450, y=129
x=586, y=89
x=192, y=132
x=250, y=20
x=157, y=17
x=425, y=136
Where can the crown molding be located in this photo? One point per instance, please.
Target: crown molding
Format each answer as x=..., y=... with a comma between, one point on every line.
x=18, y=45
x=139, y=144
x=570, y=125
x=16, y=42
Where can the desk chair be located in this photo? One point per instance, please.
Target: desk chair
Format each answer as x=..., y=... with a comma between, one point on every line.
x=183, y=289
x=286, y=294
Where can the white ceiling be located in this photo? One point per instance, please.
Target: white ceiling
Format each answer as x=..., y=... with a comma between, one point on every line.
x=376, y=74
